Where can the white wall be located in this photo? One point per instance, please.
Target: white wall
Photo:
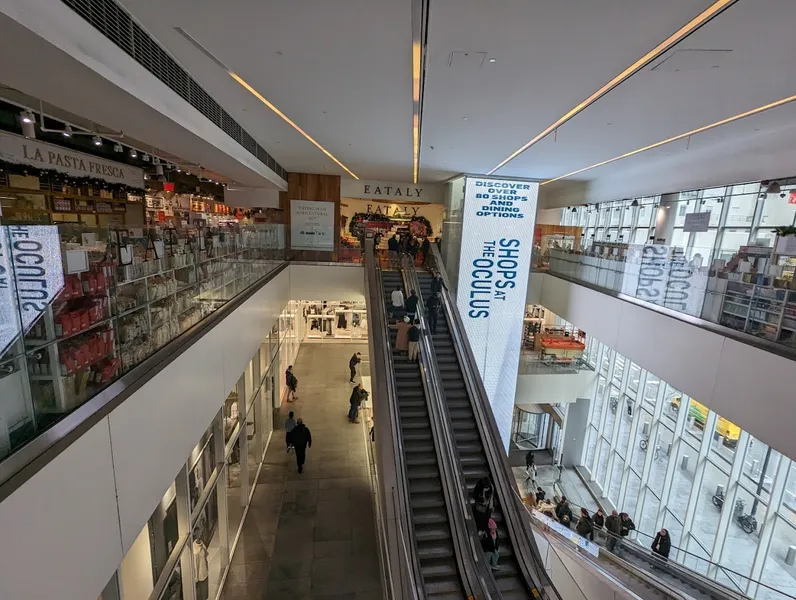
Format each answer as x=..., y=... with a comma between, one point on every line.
x=549, y=389
x=136, y=570
x=327, y=282
x=750, y=387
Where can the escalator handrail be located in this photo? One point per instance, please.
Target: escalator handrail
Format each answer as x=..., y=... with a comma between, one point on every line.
x=386, y=386
x=527, y=553
x=639, y=573
x=465, y=535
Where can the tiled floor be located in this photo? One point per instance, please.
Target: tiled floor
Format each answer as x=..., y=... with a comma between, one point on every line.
x=312, y=536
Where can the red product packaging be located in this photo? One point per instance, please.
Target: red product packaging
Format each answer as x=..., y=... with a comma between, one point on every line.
x=89, y=283
x=75, y=315
x=85, y=320
x=68, y=365
x=102, y=282
x=63, y=325
x=75, y=287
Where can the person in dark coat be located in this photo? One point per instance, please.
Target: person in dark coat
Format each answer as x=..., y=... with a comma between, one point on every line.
x=425, y=248
x=564, y=512
x=484, y=496
x=411, y=304
x=613, y=527
x=290, y=424
x=530, y=467
x=393, y=245
x=358, y=394
x=491, y=545
x=436, y=283
x=627, y=524
x=585, y=527
x=540, y=494
x=662, y=544
x=414, y=247
x=292, y=383
x=432, y=305
x=302, y=439
x=352, y=365
x=598, y=520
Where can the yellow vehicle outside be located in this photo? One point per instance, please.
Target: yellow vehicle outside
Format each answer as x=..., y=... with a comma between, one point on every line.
x=699, y=415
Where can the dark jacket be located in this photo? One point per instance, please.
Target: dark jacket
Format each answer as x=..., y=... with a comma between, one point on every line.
x=585, y=527
x=490, y=545
x=414, y=333
x=290, y=380
x=540, y=495
x=598, y=521
x=529, y=458
x=613, y=524
x=432, y=304
x=484, y=495
x=564, y=514
x=356, y=397
x=301, y=437
x=425, y=247
x=355, y=360
x=626, y=526
x=393, y=245
x=662, y=545
x=436, y=285
x=411, y=304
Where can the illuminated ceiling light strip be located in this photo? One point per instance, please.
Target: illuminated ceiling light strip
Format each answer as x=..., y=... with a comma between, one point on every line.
x=665, y=45
x=743, y=115
x=416, y=110
x=287, y=120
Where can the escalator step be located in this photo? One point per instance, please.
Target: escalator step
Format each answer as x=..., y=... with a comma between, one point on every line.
x=410, y=423
x=439, y=568
x=422, y=473
x=420, y=460
x=421, y=447
x=429, y=516
x=430, y=501
x=444, y=589
x=425, y=486
x=436, y=549
x=430, y=534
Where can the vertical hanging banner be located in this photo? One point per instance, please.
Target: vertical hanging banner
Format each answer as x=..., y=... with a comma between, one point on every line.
x=497, y=240
x=311, y=225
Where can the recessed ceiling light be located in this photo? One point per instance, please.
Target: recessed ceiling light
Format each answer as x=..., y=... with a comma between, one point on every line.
x=97, y=140
x=492, y=60
x=681, y=136
x=26, y=116
x=664, y=46
x=133, y=153
x=287, y=120
x=464, y=118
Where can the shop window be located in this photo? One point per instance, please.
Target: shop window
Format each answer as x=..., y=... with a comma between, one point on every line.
x=731, y=241
x=660, y=450
x=163, y=531
x=173, y=589
x=698, y=557
x=641, y=443
x=777, y=211
x=619, y=369
x=651, y=387
x=616, y=479
x=789, y=496
x=649, y=514
x=679, y=238
x=713, y=202
x=759, y=468
x=201, y=463
x=675, y=526
x=234, y=495
x=599, y=398
x=634, y=377
x=629, y=503
x=610, y=416
x=602, y=464
x=682, y=208
x=616, y=216
x=740, y=545
x=641, y=235
x=765, y=237
x=710, y=498
x=702, y=244
x=624, y=425
x=231, y=414
x=682, y=482
x=741, y=210
x=208, y=550
x=782, y=538
x=606, y=360
x=598, y=236
x=695, y=419
x=672, y=399
x=592, y=217
x=251, y=446
x=624, y=235
x=591, y=448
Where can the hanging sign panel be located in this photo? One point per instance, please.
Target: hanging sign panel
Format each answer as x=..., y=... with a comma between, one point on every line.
x=311, y=225
x=697, y=222
x=495, y=260
x=21, y=150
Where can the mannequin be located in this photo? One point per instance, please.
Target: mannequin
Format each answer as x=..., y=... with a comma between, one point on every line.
x=200, y=569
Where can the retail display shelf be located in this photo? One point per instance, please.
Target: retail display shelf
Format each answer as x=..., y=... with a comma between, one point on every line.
x=131, y=311
x=162, y=273
x=66, y=338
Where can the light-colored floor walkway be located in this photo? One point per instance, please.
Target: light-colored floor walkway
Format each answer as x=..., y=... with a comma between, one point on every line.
x=312, y=536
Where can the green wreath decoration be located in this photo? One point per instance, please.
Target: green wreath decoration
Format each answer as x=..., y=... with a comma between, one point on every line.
x=356, y=227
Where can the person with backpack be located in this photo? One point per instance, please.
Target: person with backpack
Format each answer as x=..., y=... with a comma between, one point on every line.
x=484, y=496
x=585, y=527
x=411, y=304
x=302, y=439
x=290, y=425
x=564, y=512
x=292, y=383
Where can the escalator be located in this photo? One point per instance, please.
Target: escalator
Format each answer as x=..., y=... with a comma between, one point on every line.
x=429, y=514
x=510, y=579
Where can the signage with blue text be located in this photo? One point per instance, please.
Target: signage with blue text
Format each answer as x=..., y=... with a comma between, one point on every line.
x=497, y=240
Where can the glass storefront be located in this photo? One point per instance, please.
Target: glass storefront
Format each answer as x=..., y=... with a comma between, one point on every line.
x=727, y=499
x=185, y=548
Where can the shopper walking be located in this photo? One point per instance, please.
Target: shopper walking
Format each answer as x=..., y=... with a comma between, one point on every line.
x=627, y=524
x=397, y=303
x=402, y=339
x=291, y=381
x=530, y=467
x=411, y=304
x=432, y=307
x=414, y=341
x=540, y=494
x=425, y=248
x=302, y=439
x=290, y=425
x=585, y=527
x=613, y=526
x=358, y=395
x=662, y=544
x=484, y=496
x=490, y=545
x=356, y=358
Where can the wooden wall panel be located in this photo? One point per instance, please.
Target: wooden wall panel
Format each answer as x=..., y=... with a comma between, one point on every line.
x=312, y=186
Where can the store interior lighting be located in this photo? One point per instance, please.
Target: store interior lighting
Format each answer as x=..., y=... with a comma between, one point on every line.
x=117, y=147
x=145, y=157
x=29, y=129
x=26, y=116
x=67, y=132
x=97, y=140
x=133, y=153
